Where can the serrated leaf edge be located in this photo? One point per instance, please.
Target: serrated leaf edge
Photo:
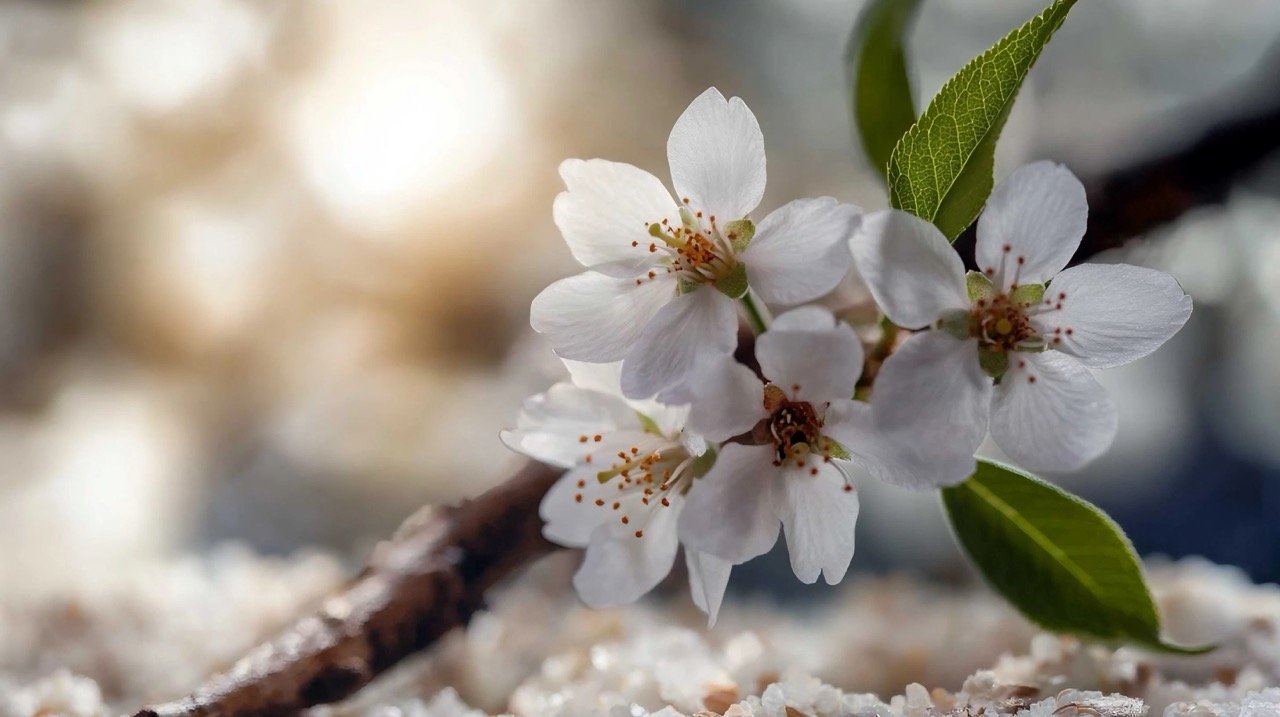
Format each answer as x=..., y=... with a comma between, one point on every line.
x=917, y=128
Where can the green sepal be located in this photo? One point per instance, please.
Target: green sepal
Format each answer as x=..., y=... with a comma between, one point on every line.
x=649, y=425
x=739, y=232
x=733, y=284
x=832, y=447
x=994, y=363
x=703, y=463
x=1033, y=345
x=956, y=323
x=684, y=286
x=979, y=286
x=1028, y=294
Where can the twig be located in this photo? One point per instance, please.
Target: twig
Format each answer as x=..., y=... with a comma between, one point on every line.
x=429, y=578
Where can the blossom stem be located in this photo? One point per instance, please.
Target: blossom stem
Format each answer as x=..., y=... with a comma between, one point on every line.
x=876, y=356
x=888, y=335
x=757, y=314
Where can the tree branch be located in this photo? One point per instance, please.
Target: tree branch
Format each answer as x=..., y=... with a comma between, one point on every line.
x=1135, y=200
x=429, y=578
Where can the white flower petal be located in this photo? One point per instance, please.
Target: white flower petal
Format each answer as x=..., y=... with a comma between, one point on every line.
x=913, y=272
x=609, y=205
x=607, y=378
x=815, y=366
x=669, y=418
x=568, y=521
x=602, y=377
x=934, y=387
x=728, y=399
x=819, y=517
x=550, y=425
x=619, y=568
x=804, y=318
x=801, y=250
x=1109, y=315
x=716, y=152
x=597, y=318
x=708, y=578
x=1039, y=212
x=1050, y=414
x=912, y=459
x=729, y=513
x=693, y=442
x=702, y=324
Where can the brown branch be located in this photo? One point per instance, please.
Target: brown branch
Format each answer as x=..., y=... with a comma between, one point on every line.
x=428, y=579
x=1135, y=200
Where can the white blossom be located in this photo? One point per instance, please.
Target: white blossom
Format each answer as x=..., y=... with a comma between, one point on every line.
x=663, y=273
x=795, y=440
x=1034, y=327
x=629, y=467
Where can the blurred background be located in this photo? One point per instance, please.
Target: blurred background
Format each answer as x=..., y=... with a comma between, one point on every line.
x=265, y=266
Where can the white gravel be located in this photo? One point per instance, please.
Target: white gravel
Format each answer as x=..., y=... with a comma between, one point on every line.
x=886, y=647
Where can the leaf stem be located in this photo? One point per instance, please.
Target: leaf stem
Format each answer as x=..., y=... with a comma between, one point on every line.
x=757, y=314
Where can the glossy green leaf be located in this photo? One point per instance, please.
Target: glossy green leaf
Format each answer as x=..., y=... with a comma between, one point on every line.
x=1062, y=562
x=876, y=63
x=941, y=169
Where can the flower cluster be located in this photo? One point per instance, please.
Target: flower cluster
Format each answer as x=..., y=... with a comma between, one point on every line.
x=669, y=436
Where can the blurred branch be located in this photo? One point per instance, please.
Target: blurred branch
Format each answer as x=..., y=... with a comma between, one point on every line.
x=1132, y=201
x=426, y=580
x=1135, y=200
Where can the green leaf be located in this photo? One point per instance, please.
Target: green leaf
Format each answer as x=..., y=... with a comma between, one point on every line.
x=1062, y=562
x=941, y=169
x=877, y=70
